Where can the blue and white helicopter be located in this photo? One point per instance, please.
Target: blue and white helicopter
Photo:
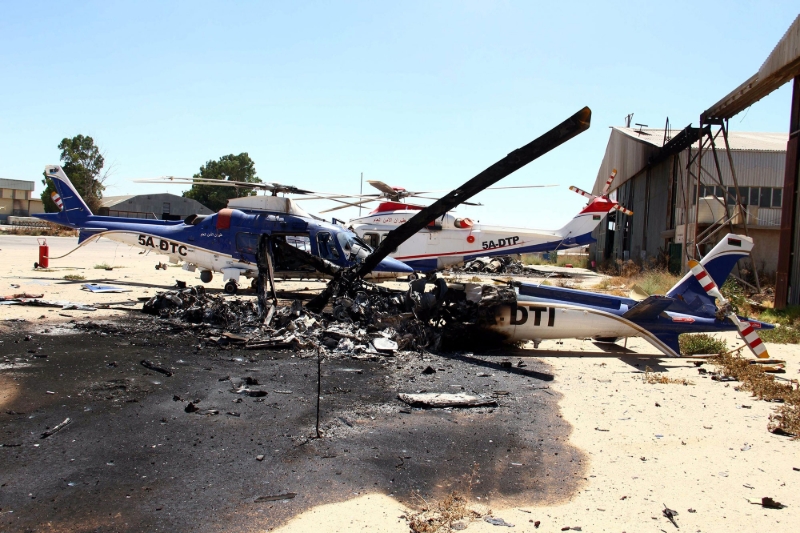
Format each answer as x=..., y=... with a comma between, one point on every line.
x=693, y=305
x=229, y=242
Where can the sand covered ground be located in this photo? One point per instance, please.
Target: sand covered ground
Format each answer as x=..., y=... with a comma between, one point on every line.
x=701, y=449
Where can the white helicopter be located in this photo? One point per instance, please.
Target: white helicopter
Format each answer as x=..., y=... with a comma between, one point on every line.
x=451, y=240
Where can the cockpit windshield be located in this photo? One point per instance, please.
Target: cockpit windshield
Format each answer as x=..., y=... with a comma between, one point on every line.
x=354, y=248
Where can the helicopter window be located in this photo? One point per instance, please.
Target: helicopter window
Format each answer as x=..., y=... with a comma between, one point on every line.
x=301, y=242
x=372, y=239
x=247, y=243
x=327, y=247
x=353, y=247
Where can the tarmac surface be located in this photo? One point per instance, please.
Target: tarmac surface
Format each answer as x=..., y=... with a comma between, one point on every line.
x=133, y=459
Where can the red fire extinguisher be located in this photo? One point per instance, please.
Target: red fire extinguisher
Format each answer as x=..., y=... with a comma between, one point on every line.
x=44, y=254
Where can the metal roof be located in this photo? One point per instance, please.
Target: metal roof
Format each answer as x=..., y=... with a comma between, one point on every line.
x=20, y=185
x=738, y=140
x=781, y=65
x=111, y=201
x=630, y=150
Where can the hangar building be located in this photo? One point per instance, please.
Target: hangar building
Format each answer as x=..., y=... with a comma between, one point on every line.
x=657, y=167
x=163, y=206
x=17, y=199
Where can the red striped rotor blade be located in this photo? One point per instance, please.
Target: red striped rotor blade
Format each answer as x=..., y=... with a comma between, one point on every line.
x=582, y=192
x=750, y=337
x=607, y=186
x=623, y=210
x=704, y=278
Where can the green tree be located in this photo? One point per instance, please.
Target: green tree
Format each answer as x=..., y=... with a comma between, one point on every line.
x=82, y=163
x=231, y=168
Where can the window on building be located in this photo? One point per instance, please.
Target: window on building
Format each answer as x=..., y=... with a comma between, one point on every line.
x=777, y=197
x=765, y=199
x=754, y=193
x=165, y=207
x=745, y=193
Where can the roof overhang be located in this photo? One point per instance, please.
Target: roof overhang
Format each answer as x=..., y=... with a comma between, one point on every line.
x=781, y=66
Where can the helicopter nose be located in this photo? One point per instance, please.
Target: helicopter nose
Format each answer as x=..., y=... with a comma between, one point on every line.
x=393, y=265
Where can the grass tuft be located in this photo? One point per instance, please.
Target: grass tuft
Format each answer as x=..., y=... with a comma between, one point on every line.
x=74, y=277
x=700, y=343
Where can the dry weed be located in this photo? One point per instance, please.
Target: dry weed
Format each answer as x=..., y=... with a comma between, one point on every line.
x=654, y=378
x=765, y=387
x=440, y=516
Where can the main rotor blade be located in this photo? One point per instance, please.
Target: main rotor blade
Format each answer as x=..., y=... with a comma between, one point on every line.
x=519, y=187
x=381, y=186
x=347, y=204
x=517, y=159
x=214, y=182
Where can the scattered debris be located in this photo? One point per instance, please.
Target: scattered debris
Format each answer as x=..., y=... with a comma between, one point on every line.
x=496, y=521
x=276, y=498
x=96, y=287
x=437, y=399
x=670, y=515
x=768, y=503
x=152, y=366
x=56, y=429
x=191, y=408
x=259, y=457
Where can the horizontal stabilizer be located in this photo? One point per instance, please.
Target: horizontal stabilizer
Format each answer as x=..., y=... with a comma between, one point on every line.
x=87, y=233
x=649, y=309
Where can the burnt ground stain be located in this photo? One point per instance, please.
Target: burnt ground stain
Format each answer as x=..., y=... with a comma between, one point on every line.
x=133, y=459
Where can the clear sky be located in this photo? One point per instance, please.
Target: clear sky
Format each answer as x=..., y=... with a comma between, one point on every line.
x=417, y=94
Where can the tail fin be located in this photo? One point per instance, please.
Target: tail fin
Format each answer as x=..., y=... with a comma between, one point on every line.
x=719, y=263
x=73, y=208
x=579, y=229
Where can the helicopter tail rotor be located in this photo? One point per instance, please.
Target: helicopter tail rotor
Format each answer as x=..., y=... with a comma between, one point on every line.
x=746, y=331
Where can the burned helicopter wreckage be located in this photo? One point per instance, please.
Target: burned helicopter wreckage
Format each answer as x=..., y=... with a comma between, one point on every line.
x=429, y=315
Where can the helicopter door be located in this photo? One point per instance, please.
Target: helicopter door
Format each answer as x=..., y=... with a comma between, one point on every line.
x=285, y=265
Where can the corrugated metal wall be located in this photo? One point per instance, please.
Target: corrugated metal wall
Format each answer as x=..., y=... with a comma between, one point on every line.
x=624, y=153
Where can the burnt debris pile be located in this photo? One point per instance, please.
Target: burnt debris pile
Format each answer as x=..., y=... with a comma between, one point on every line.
x=360, y=319
x=194, y=305
x=496, y=265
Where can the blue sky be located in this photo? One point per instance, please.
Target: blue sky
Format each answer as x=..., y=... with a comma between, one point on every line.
x=418, y=94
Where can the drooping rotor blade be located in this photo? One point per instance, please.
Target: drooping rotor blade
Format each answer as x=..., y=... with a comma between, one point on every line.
x=623, y=210
x=607, y=186
x=429, y=198
x=383, y=187
x=517, y=159
x=588, y=195
x=746, y=331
